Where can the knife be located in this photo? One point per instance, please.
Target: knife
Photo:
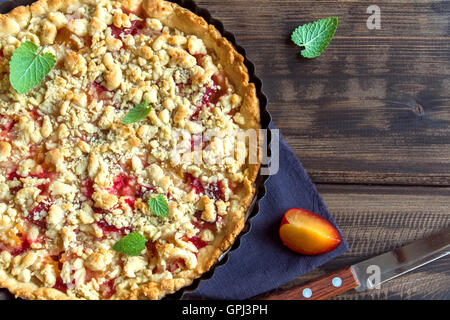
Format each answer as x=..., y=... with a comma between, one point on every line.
x=370, y=274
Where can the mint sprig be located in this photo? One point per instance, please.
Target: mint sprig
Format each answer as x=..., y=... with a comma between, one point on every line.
x=28, y=67
x=315, y=36
x=131, y=245
x=159, y=205
x=139, y=112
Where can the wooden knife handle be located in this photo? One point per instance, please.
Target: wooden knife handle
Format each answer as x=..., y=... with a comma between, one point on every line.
x=321, y=288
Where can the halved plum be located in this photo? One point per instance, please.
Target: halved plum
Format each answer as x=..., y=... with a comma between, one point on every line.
x=307, y=233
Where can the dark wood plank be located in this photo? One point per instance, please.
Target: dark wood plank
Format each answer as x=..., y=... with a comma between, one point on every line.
x=374, y=108
x=378, y=219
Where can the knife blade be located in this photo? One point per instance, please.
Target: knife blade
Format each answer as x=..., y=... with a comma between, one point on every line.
x=371, y=273
x=402, y=260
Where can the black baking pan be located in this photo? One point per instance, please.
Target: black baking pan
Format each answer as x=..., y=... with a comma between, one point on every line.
x=6, y=6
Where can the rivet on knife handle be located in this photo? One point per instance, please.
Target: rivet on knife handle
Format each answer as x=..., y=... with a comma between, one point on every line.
x=320, y=288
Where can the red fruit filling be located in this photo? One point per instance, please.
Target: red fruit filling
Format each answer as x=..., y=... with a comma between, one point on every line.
x=130, y=202
x=142, y=190
x=87, y=188
x=212, y=94
x=38, y=215
x=123, y=185
x=6, y=125
x=36, y=116
x=195, y=183
x=98, y=210
x=44, y=175
x=136, y=27
x=175, y=264
x=43, y=187
x=15, y=189
x=233, y=186
x=60, y=285
x=213, y=190
x=25, y=245
x=99, y=89
x=208, y=95
x=199, y=58
x=219, y=81
x=98, y=92
x=181, y=86
x=206, y=100
x=201, y=224
x=232, y=112
x=89, y=275
x=199, y=243
x=194, y=116
x=12, y=175
x=107, y=289
x=107, y=228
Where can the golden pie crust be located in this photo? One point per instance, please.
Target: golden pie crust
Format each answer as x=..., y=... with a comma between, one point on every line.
x=74, y=180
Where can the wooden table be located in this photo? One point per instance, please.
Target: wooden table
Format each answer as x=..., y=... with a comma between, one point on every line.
x=369, y=119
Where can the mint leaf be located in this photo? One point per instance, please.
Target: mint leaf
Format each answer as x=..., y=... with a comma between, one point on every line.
x=159, y=206
x=28, y=68
x=137, y=113
x=131, y=245
x=315, y=36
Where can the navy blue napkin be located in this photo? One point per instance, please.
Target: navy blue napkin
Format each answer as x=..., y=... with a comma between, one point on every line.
x=262, y=262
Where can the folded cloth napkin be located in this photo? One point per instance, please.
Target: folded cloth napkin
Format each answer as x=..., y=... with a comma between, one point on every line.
x=262, y=262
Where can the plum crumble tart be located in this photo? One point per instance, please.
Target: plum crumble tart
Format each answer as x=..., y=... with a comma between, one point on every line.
x=79, y=184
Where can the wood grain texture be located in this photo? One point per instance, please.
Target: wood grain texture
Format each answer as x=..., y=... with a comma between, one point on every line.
x=374, y=108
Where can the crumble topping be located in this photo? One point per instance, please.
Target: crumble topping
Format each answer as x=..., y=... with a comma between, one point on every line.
x=74, y=179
